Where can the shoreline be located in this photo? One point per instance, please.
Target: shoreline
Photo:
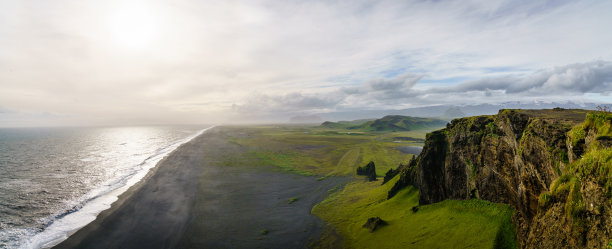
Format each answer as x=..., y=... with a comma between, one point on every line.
x=80, y=233
x=101, y=198
x=188, y=200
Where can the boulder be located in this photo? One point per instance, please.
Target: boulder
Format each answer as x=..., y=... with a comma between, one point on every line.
x=373, y=223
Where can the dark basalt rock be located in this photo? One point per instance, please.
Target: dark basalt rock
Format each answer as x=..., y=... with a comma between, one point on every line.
x=374, y=223
x=369, y=171
x=510, y=158
x=389, y=175
x=407, y=177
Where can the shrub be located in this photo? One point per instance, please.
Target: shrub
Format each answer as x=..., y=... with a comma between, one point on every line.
x=577, y=135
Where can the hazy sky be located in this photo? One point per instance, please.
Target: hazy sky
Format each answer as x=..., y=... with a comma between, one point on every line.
x=181, y=61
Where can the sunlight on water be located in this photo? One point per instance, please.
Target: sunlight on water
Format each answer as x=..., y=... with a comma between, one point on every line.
x=54, y=180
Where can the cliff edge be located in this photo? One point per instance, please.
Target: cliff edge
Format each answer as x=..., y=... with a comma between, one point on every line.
x=553, y=166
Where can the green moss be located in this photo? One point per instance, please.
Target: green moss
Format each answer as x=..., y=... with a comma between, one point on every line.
x=560, y=187
x=527, y=133
x=292, y=200
x=544, y=199
x=574, y=206
x=600, y=121
x=597, y=165
x=472, y=168
x=563, y=157
x=577, y=135
x=492, y=128
x=567, y=188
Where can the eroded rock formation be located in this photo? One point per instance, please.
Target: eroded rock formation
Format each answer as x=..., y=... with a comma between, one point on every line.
x=514, y=157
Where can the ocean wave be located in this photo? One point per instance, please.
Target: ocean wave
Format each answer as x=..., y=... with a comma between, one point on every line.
x=59, y=226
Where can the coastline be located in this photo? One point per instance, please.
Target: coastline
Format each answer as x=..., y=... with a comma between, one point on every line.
x=82, y=234
x=189, y=200
x=133, y=165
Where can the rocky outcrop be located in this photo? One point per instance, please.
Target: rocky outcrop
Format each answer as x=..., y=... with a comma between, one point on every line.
x=374, y=223
x=513, y=157
x=390, y=174
x=393, y=172
x=369, y=171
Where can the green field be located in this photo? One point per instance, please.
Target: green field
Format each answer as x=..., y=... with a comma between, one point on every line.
x=324, y=151
x=448, y=224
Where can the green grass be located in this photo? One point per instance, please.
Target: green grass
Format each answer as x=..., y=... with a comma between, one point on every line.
x=448, y=224
x=596, y=162
x=328, y=152
x=577, y=135
x=320, y=151
x=601, y=121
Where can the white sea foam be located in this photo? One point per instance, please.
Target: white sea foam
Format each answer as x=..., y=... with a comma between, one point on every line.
x=62, y=225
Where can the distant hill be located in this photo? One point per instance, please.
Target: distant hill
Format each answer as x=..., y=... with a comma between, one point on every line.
x=387, y=123
x=453, y=111
x=345, y=124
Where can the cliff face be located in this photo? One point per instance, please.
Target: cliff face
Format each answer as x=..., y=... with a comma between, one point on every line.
x=514, y=157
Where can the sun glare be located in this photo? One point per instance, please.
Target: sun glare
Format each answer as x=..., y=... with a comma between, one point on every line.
x=133, y=26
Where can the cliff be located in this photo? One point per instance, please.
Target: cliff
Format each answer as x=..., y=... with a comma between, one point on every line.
x=552, y=166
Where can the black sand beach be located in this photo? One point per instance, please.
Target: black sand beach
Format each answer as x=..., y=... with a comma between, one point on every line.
x=190, y=201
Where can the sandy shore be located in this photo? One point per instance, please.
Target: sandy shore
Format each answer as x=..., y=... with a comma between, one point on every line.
x=190, y=201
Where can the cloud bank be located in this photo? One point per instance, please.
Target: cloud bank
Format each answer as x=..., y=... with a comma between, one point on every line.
x=555, y=84
x=187, y=61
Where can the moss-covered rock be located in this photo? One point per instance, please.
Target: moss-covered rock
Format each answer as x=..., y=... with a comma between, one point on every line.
x=552, y=166
x=374, y=223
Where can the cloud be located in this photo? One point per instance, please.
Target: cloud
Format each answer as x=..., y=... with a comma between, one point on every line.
x=372, y=92
x=400, y=92
x=262, y=103
x=578, y=78
x=289, y=56
x=384, y=86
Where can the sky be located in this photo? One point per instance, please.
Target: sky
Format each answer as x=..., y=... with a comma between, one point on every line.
x=131, y=62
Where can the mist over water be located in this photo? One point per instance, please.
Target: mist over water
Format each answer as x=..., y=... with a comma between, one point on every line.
x=54, y=180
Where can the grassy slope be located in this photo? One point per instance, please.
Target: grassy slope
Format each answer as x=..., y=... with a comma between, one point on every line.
x=448, y=224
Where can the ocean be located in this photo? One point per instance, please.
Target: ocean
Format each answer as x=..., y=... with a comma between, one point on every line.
x=56, y=180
